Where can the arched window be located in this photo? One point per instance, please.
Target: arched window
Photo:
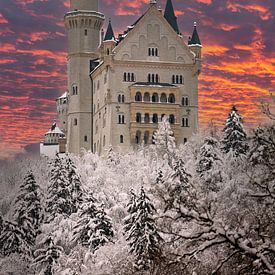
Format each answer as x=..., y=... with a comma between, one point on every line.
x=121, y=139
x=146, y=97
x=163, y=98
x=172, y=119
x=75, y=121
x=121, y=119
x=133, y=77
x=153, y=78
x=85, y=32
x=122, y=98
x=125, y=77
x=138, y=97
x=119, y=98
x=171, y=98
x=85, y=139
x=146, y=137
x=155, y=118
x=156, y=52
x=149, y=78
x=181, y=79
x=149, y=52
x=185, y=122
x=129, y=77
x=185, y=101
x=155, y=97
x=138, y=117
x=146, y=118
x=173, y=79
x=74, y=89
x=177, y=79
x=157, y=78
x=138, y=135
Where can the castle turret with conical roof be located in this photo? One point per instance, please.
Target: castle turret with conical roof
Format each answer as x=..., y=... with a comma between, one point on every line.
x=170, y=16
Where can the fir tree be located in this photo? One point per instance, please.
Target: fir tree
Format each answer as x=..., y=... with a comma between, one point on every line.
x=74, y=185
x=13, y=240
x=164, y=138
x=131, y=209
x=209, y=163
x=47, y=256
x=28, y=210
x=59, y=199
x=94, y=227
x=142, y=236
x=234, y=135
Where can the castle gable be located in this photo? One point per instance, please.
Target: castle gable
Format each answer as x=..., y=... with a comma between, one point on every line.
x=151, y=32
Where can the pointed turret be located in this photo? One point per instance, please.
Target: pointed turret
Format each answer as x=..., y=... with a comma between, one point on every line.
x=195, y=40
x=169, y=15
x=109, y=33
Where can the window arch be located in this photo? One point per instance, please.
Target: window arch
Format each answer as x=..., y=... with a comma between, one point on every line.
x=171, y=98
x=155, y=97
x=185, y=101
x=155, y=118
x=146, y=97
x=172, y=119
x=121, y=139
x=185, y=122
x=137, y=139
x=146, y=118
x=163, y=98
x=138, y=96
x=138, y=117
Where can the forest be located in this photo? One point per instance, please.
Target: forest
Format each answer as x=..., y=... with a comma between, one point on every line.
x=204, y=207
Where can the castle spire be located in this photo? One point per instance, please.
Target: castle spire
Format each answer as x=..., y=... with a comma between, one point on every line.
x=109, y=33
x=195, y=40
x=169, y=15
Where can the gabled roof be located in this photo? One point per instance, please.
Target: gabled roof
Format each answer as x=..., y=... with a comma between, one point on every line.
x=195, y=40
x=169, y=15
x=109, y=33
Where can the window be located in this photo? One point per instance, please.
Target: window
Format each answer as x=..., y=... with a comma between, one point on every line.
x=121, y=119
x=138, y=96
x=155, y=118
x=155, y=98
x=119, y=98
x=133, y=77
x=138, y=135
x=85, y=32
x=138, y=117
x=122, y=98
x=172, y=119
x=125, y=77
x=146, y=97
x=121, y=139
x=184, y=140
x=185, y=122
x=129, y=77
x=75, y=121
x=163, y=98
x=153, y=78
x=185, y=101
x=177, y=79
x=85, y=139
x=152, y=51
x=75, y=89
x=171, y=98
x=146, y=118
x=146, y=137
x=108, y=51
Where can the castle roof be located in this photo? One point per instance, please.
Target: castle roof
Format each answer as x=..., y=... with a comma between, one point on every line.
x=55, y=130
x=65, y=95
x=109, y=33
x=195, y=40
x=169, y=15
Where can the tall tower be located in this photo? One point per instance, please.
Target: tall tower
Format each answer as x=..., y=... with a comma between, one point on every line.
x=83, y=23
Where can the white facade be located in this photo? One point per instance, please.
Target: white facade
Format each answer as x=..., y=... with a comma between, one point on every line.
x=121, y=102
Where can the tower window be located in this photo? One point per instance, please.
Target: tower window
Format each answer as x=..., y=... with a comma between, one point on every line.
x=185, y=122
x=152, y=51
x=86, y=32
x=121, y=138
x=75, y=89
x=129, y=77
x=85, y=139
x=185, y=101
x=153, y=78
x=177, y=79
x=75, y=121
x=121, y=119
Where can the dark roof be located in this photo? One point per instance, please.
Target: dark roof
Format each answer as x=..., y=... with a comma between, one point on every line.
x=169, y=15
x=154, y=84
x=109, y=33
x=195, y=40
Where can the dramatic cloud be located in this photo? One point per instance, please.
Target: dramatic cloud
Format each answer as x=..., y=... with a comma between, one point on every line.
x=238, y=66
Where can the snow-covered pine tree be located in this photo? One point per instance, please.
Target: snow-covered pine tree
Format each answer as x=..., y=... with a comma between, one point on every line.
x=209, y=163
x=164, y=138
x=47, y=256
x=132, y=210
x=74, y=185
x=142, y=236
x=59, y=200
x=28, y=212
x=13, y=240
x=94, y=227
x=234, y=138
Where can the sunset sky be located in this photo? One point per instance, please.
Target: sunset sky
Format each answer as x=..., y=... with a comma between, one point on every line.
x=238, y=38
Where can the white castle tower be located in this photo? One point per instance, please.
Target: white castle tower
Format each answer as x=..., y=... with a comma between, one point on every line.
x=83, y=24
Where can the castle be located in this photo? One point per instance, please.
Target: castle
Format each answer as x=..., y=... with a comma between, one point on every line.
x=120, y=88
